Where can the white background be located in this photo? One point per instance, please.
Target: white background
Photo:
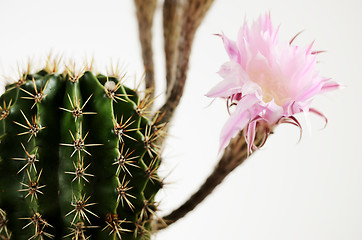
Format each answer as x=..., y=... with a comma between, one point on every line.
x=287, y=190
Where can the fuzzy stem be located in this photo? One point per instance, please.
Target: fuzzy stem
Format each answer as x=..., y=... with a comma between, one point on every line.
x=193, y=13
x=145, y=10
x=172, y=17
x=235, y=154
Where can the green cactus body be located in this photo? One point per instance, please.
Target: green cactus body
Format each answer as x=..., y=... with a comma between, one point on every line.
x=77, y=159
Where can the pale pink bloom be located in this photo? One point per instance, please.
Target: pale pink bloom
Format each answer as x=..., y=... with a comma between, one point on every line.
x=267, y=80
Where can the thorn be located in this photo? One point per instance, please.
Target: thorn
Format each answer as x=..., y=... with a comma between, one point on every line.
x=111, y=88
x=6, y=237
x=151, y=171
x=53, y=63
x=150, y=139
x=137, y=86
x=116, y=71
x=122, y=193
x=79, y=171
x=4, y=111
x=114, y=225
x=149, y=209
x=38, y=95
x=33, y=127
x=33, y=187
x=78, y=143
x=141, y=231
x=78, y=232
x=121, y=128
x=157, y=126
x=30, y=160
x=80, y=208
x=73, y=74
x=22, y=75
x=3, y=224
x=144, y=104
x=89, y=65
x=39, y=225
x=124, y=159
x=77, y=110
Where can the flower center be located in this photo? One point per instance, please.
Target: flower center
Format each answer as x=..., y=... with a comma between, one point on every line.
x=272, y=85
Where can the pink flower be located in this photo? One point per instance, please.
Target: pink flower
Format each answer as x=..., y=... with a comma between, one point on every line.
x=267, y=80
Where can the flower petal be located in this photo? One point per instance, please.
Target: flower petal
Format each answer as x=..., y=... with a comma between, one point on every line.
x=231, y=48
x=243, y=113
x=234, y=78
x=330, y=86
x=315, y=111
x=267, y=79
x=250, y=135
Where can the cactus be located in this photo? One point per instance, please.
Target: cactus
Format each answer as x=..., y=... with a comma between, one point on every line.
x=78, y=158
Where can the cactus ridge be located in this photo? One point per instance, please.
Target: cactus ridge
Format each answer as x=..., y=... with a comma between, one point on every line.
x=78, y=158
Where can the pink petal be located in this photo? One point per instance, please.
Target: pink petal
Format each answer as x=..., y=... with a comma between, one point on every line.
x=231, y=48
x=250, y=135
x=305, y=111
x=234, y=78
x=296, y=35
x=309, y=48
x=224, y=89
x=330, y=86
x=292, y=120
x=321, y=86
x=311, y=92
x=243, y=113
x=291, y=108
x=313, y=110
x=241, y=44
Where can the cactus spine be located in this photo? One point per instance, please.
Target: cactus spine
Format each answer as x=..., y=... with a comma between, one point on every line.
x=78, y=159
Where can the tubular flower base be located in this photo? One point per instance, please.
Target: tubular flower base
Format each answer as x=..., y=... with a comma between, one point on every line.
x=267, y=80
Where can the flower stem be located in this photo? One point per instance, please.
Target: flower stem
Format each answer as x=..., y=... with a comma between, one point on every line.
x=234, y=155
x=193, y=13
x=145, y=10
x=172, y=18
